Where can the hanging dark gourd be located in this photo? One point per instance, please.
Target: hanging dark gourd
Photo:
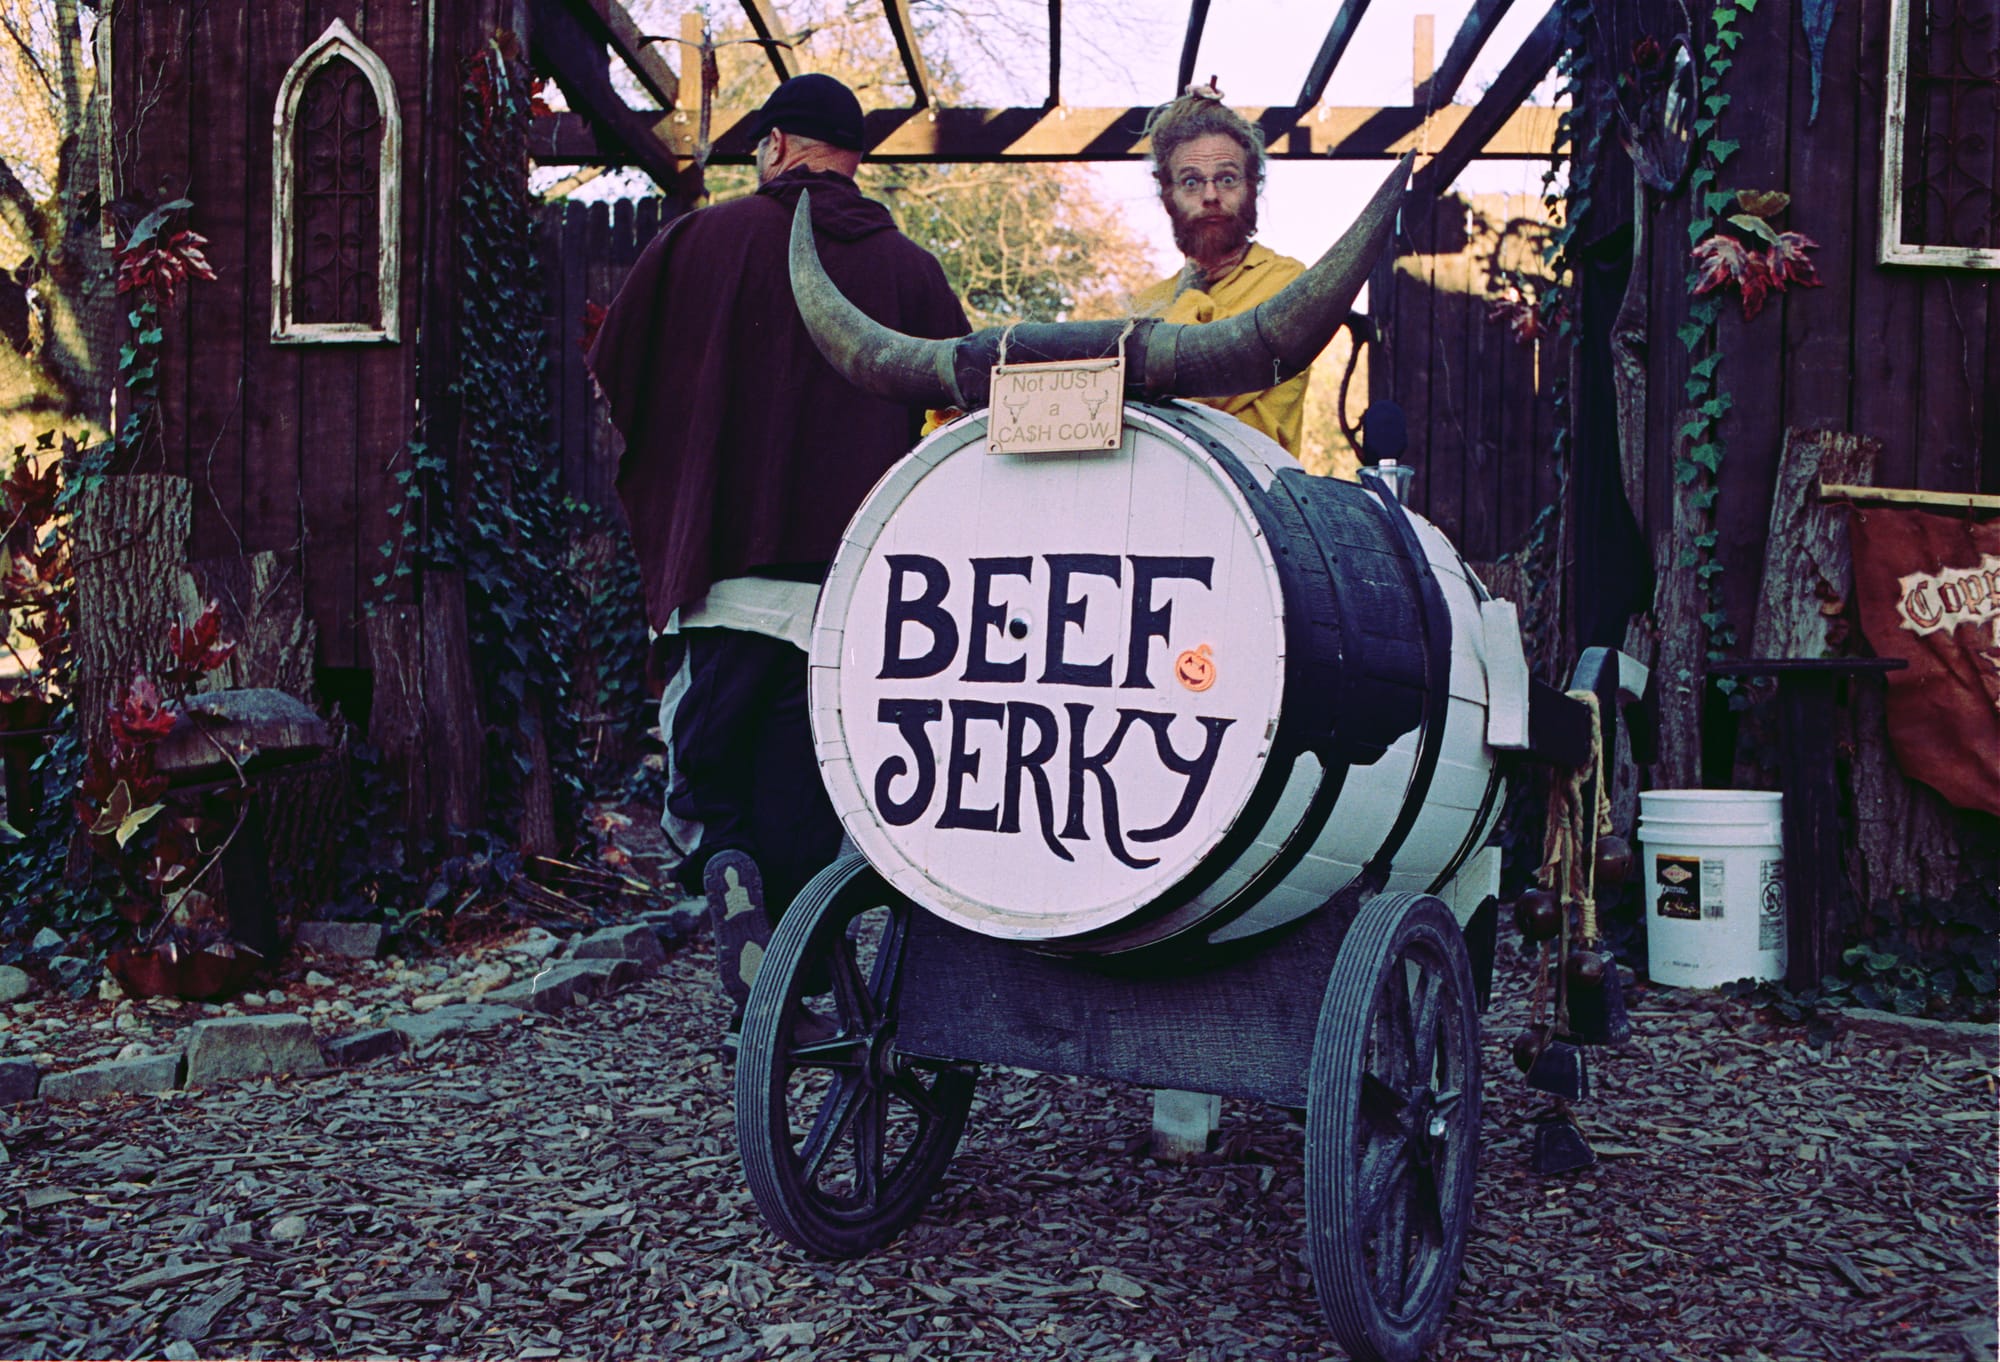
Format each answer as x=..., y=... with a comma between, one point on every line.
x=1538, y=914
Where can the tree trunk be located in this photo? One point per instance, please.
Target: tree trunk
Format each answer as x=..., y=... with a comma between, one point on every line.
x=1630, y=351
x=131, y=536
x=424, y=718
x=263, y=610
x=1906, y=837
x=1677, y=611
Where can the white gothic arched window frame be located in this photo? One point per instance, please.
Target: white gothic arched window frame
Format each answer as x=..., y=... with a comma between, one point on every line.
x=337, y=43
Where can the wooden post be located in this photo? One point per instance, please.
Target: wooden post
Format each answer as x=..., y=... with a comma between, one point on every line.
x=1677, y=610
x=1808, y=731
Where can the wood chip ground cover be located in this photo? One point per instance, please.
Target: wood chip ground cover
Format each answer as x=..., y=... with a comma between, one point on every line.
x=570, y=1188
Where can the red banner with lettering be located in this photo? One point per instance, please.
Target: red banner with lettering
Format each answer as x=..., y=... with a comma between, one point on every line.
x=1929, y=592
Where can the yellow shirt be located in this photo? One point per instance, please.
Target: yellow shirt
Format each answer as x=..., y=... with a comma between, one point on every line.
x=1279, y=412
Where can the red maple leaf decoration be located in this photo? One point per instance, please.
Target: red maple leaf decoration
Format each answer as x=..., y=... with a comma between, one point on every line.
x=141, y=718
x=1790, y=263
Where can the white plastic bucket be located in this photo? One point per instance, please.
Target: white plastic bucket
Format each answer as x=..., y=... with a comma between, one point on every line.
x=1714, y=865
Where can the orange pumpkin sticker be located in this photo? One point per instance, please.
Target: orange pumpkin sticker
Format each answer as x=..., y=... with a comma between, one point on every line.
x=1195, y=668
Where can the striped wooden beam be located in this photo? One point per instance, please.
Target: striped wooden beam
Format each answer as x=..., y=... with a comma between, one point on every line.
x=1096, y=134
x=777, y=44
x=1480, y=21
x=610, y=20
x=1338, y=35
x=904, y=30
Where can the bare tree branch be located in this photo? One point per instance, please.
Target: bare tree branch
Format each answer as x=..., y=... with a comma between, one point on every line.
x=69, y=61
x=30, y=56
x=18, y=209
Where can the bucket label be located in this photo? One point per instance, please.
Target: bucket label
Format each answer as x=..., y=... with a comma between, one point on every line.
x=1771, y=906
x=1712, y=887
x=1678, y=887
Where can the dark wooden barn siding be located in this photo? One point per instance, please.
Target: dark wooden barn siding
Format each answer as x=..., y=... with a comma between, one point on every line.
x=1479, y=403
x=292, y=448
x=587, y=248
x=1907, y=355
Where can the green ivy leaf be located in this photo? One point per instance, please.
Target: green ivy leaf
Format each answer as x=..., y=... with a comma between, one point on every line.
x=1720, y=65
x=1717, y=405
x=1691, y=334
x=1703, y=126
x=1707, y=367
x=1715, y=104
x=1723, y=148
x=1715, y=200
x=1685, y=472
x=1708, y=454
x=1729, y=38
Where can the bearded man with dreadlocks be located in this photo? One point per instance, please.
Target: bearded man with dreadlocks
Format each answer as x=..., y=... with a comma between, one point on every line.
x=1209, y=161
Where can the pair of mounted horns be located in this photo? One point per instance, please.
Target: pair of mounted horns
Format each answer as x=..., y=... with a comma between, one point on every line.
x=1249, y=352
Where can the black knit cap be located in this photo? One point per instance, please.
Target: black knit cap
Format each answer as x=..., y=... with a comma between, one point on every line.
x=812, y=105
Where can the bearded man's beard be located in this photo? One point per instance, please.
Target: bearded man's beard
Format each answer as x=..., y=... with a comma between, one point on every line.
x=1206, y=236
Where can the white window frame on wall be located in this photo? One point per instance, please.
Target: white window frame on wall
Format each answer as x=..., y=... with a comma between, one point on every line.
x=1893, y=250
x=338, y=42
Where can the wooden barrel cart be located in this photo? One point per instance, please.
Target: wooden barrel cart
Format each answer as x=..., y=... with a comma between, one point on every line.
x=1165, y=763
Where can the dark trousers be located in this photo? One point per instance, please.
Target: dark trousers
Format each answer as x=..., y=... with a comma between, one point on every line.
x=741, y=772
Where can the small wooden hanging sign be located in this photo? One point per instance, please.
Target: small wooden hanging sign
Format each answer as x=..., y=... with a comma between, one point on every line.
x=1062, y=407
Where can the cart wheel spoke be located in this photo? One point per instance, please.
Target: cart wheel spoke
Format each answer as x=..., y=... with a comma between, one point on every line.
x=836, y=1114
x=1381, y=1171
x=1381, y=1105
x=1424, y=1026
x=850, y=992
x=1426, y=1209
x=887, y=976
x=871, y=1126
x=1392, y=1128
x=877, y=1136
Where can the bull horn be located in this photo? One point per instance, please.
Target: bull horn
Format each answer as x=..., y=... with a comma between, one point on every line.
x=874, y=358
x=1282, y=335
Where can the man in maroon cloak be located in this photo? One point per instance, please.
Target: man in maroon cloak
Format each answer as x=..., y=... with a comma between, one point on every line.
x=745, y=456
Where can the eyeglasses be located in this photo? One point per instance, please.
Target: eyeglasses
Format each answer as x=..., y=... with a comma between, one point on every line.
x=1191, y=184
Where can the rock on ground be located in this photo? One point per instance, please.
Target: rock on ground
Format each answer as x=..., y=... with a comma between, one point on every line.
x=225, y=1048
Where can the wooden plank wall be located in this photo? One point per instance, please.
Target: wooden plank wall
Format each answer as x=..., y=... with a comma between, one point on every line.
x=289, y=448
x=1909, y=356
x=587, y=248
x=1480, y=403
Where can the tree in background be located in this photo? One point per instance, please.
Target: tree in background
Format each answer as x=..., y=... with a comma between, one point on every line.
x=1019, y=242
x=58, y=311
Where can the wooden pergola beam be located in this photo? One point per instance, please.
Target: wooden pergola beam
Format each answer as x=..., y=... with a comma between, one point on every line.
x=1506, y=97
x=904, y=29
x=1191, y=44
x=611, y=22
x=1338, y=35
x=776, y=45
x=581, y=66
x=1480, y=21
x=1099, y=134
x=1055, y=53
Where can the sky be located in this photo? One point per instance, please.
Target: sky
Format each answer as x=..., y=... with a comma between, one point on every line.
x=1259, y=50
x=1120, y=53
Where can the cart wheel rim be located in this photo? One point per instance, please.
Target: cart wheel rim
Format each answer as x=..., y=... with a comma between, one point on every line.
x=843, y=1138
x=1392, y=1138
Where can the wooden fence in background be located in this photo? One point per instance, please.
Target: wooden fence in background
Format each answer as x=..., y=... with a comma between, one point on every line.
x=1477, y=393
x=587, y=248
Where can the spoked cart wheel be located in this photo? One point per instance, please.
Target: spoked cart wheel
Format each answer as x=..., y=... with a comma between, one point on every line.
x=1392, y=1128
x=842, y=1138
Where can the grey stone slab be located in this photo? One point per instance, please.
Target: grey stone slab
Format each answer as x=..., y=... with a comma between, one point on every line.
x=555, y=987
x=419, y=1029
x=14, y=984
x=363, y=1046
x=675, y=926
x=634, y=941
x=18, y=1078
x=221, y=1049
x=149, y=1073
x=46, y=943
x=356, y=940
x=71, y=975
